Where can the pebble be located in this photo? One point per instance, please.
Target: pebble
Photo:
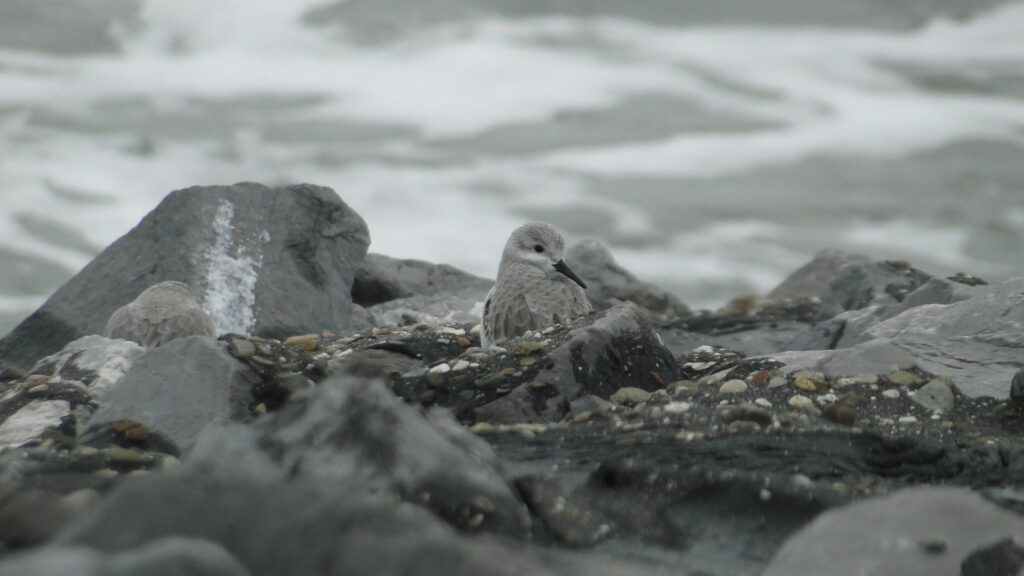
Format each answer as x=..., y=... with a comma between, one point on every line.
x=744, y=427
x=629, y=395
x=826, y=399
x=935, y=396
x=38, y=390
x=839, y=414
x=463, y=342
x=866, y=379
x=777, y=382
x=441, y=368
x=677, y=407
x=307, y=342
x=241, y=348
x=800, y=402
x=490, y=381
x=683, y=388
x=699, y=366
x=891, y=393
x=460, y=365
x=904, y=378
x=527, y=361
x=35, y=380
x=733, y=387
x=806, y=384
x=760, y=377
x=763, y=403
x=528, y=347
x=908, y=420
x=451, y=331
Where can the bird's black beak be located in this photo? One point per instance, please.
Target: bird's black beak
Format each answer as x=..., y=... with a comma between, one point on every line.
x=564, y=269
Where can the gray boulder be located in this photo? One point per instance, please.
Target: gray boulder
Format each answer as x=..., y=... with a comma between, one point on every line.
x=171, y=556
x=609, y=284
x=918, y=531
x=814, y=279
x=407, y=292
x=179, y=388
x=382, y=279
x=883, y=283
x=270, y=262
x=613, y=349
x=848, y=328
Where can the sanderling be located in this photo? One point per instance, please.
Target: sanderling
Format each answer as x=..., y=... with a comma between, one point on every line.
x=535, y=289
x=163, y=312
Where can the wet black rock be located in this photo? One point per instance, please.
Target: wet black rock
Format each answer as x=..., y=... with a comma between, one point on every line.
x=1004, y=558
x=609, y=350
x=609, y=284
x=176, y=390
x=273, y=262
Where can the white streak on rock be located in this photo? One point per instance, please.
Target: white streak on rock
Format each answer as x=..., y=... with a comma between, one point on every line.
x=231, y=275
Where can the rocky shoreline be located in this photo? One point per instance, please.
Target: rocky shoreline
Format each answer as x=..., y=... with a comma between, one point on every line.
x=346, y=421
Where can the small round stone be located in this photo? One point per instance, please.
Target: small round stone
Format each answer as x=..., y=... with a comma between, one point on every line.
x=806, y=384
x=891, y=393
x=441, y=368
x=460, y=366
x=629, y=395
x=800, y=402
x=733, y=387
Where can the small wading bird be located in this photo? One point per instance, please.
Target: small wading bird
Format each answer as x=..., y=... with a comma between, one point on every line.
x=535, y=289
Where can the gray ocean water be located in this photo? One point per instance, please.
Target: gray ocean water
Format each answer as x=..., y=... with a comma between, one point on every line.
x=715, y=145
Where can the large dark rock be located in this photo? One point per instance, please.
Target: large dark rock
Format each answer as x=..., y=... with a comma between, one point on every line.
x=177, y=389
x=278, y=529
x=271, y=262
x=172, y=556
x=355, y=432
x=919, y=531
x=609, y=284
x=612, y=349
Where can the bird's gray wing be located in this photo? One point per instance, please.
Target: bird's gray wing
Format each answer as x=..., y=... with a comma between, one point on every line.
x=190, y=322
x=510, y=316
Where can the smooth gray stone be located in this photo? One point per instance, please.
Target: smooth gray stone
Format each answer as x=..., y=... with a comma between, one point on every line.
x=272, y=262
x=897, y=535
x=179, y=388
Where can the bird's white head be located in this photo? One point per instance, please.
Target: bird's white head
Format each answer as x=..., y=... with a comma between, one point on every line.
x=538, y=244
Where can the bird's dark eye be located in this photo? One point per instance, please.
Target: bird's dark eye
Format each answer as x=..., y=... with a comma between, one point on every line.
x=538, y=248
